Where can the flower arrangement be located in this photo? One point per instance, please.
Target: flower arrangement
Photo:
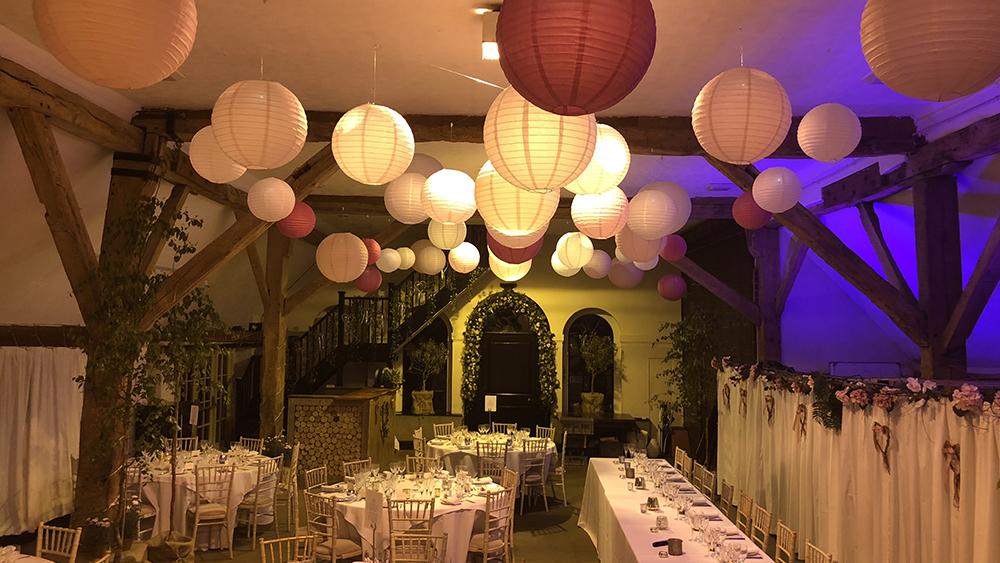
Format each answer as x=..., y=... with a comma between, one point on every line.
x=967, y=399
x=274, y=446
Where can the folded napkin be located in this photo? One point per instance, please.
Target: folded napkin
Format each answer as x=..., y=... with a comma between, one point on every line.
x=702, y=502
x=714, y=517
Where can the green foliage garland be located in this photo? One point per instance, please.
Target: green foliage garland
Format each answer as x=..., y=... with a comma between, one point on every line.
x=519, y=304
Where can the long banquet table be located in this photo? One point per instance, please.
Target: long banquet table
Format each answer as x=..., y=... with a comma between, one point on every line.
x=454, y=458
x=610, y=515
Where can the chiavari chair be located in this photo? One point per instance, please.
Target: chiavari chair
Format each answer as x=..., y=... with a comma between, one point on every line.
x=491, y=458
x=322, y=521
x=410, y=548
x=726, y=500
x=546, y=432
x=557, y=474
x=410, y=516
x=419, y=444
x=213, y=486
x=62, y=542
x=760, y=526
x=494, y=541
x=696, y=476
x=315, y=478
x=260, y=500
x=419, y=463
x=298, y=549
x=534, y=477
x=503, y=427
x=288, y=490
x=252, y=444
x=444, y=430
x=134, y=481
x=186, y=444
x=817, y=555
x=708, y=483
x=744, y=511
x=784, y=547
x=352, y=468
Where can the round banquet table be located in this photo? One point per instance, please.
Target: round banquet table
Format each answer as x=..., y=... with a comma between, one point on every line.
x=157, y=491
x=453, y=458
x=458, y=521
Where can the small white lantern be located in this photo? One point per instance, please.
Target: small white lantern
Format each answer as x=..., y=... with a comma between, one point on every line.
x=118, y=43
x=510, y=209
x=619, y=256
x=403, y=198
x=271, y=199
x=259, y=124
x=741, y=116
x=446, y=235
x=659, y=211
x=209, y=161
x=601, y=215
x=372, y=144
x=574, y=249
x=449, y=196
x=430, y=259
x=829, y=132
x=389, y=261
x=508, y=272
x=341, y=257
x=599, y=265
x=635, y=248
x=519, y=241
x=608, y=166
x=624, y=275
x=406, y=258
x=464, y=258
x=560, y=268
x=777, y=189
x=533, y=149
x=648, y=265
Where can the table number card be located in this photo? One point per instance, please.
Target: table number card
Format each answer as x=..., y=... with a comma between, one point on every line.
x=491, y=403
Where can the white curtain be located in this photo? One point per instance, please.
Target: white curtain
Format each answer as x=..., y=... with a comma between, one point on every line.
x=39, y=434
x=833, y=488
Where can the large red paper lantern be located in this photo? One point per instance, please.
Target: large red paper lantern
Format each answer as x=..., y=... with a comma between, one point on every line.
x=672, y=287
x=674, y=248
x=513, y=255
x=300, y=222
x=748, y=214
x=573, y=57
x=374, y=250
x=370, y=280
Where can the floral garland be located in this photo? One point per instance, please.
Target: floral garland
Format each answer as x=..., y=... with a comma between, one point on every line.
x=832, y=394
x=520, y=304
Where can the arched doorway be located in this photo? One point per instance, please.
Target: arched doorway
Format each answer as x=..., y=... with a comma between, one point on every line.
x=576, y=380
x=438, y=331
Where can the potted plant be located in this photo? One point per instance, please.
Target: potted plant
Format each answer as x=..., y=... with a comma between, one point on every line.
x=388, y=378
x=428, y=359
x=598, y=353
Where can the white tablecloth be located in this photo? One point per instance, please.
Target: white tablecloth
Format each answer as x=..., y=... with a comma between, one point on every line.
x=453, y=458
x=610, y=515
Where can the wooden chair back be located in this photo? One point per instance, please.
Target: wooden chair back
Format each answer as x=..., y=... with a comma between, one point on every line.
x=817, y=555
x=412, y=516
x=696, y=475
x=708, y=483
x=420, y=464
x=499, y=516
x=62, y=542
x=268, y=475
x=410, y=548
x=503, y=427
x=509, y=479
x=726, y=500
x=761, y=526
x=536, y=446
x=419, y=444
x=444, y=430
x=784, y=550
x=688, y=466
x=315, y=478
x=321, y=518
x=213, y=484
x=352, y=468
x=300, y=549
x=186, y=444
x=252, y=444
x=491, y=458
x=744, y=512
x=546, y=432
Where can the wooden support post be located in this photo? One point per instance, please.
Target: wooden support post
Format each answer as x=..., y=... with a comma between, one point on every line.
x=719, y=288
x=272, y=387
x=977, y=293
x=766, y=250
x=796, y=255
x=158, y=238
x=939, y=271
x=873, y=227
x=258, y=271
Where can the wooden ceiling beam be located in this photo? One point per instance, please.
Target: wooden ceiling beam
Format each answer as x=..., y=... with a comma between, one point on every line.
x=873, y=228
x=719, y=288
x=178, y=170
x=794, y=258
x=660, y=136
x=976, y=295
x=158, y=238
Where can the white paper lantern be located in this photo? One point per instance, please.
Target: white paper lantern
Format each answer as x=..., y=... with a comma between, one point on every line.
x=829, y=132
x=424, y=165
x=118, y=43
x=259, y=124
x=430, y=259
x=602, y=215
x=508, y=272
x=449, y=196
x=403, y=198
x=464, y=258
x=373, y=144
x=341, y=257
x=560, y=268
x=406, y=258
x=777, y=189
x=270, y=199
x=389, y=261
x=635, y=248
x=517, y=241
x=575, y=249
x=533, y=149
x=608, y=166
x=933, y=50
x=648, y=264
x=446, y=235
x=508, y=208
x=619, y=256
x=599, y=265
x=741, y=116
x=624, y=275
x=209, y=161
x=658, y=212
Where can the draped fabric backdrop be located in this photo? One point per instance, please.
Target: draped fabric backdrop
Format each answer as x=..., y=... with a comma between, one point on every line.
x=39, y=434
x=832, y=487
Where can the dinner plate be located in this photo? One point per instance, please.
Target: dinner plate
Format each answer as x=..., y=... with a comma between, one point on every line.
x=482, y=481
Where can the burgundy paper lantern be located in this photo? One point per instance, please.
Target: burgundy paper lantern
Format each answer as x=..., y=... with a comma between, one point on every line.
x=513, y=255
x=672, y=287
x=674, y=248
x=370, y=280
x=748, y=214
x=374, y=250
x=572, y=57
x=299, y=223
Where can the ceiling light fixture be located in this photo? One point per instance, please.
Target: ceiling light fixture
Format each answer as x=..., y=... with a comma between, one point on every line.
x=491, y=51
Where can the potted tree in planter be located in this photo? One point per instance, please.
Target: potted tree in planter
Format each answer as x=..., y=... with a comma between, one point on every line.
x=598, y=353
x=427, y=360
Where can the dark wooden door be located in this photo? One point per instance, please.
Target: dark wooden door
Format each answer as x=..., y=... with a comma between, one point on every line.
x=509, y=370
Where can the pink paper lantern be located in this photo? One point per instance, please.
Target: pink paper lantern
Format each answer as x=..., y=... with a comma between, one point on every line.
x=624, y=274
x=513, y=255
x=300, y=222
x=674, y=248
x=672, y=287
x=374, y=250
x=370, y=280
x=748, y=214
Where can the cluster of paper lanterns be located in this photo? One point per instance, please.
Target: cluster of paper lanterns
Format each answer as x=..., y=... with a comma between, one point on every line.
x=510, y=209
x=661, y=208
x=210, y=161
x=609, y=165
x=342, y=257
x=373, y=144
x=600, y=215
x=260, y=124
x=300, y=222
x=513, y=255
x=506, y=271
x=449, y=196
x=446, y=236
x=464, y=258
x=748, y=214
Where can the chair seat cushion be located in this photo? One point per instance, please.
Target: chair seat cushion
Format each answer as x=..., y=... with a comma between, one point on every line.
x=146, y=511
x=343, y=548
x=476, y=543
x=533, y=478
x=210, y=510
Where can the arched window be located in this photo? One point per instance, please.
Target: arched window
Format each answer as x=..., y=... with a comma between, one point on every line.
x=438, y=333
x=576, y=379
